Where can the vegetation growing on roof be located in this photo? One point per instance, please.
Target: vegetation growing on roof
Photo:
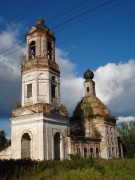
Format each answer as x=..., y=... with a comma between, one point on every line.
x=88, y=112
x=83, y=113
x=95, y=131
x=64, y=110
x=78, y=117
x=17, y=104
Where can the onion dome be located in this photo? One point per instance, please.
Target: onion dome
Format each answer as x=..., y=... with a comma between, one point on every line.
x=88, y=74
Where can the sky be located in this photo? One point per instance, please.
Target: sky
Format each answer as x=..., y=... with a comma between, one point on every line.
x=95, y=34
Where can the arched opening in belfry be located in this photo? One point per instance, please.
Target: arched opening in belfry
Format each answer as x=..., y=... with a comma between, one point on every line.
x=88, y=89
x=54, y=87
x=57, y=146
x=25, y=146
x=32, y=50
x=49, y=49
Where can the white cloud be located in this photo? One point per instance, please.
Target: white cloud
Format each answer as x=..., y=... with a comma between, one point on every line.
x=71, y=86
x=10, y=61
x=115, y=86
x=122, y=119
x=9, y=70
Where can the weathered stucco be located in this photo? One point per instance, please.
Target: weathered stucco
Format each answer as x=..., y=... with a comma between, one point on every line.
x=6, y=154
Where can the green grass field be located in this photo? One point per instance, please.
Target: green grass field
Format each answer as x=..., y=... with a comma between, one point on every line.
x=76, y=169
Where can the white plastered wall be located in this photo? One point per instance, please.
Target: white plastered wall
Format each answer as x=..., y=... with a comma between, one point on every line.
x=33, y=125
x=52, y=126
x=41, y=87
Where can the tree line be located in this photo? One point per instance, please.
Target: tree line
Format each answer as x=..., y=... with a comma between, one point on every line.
x=4, y=142
x=127, y=135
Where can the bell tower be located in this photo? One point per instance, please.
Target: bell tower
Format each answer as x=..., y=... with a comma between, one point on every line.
x=40, y=72
x=40, y=126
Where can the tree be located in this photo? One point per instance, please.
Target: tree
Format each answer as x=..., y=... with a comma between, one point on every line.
x=4, y=142
x=22, y=60
x=17, y=104
x=127, y=135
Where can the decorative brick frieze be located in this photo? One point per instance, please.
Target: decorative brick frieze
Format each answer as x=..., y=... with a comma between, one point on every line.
x=39, y=63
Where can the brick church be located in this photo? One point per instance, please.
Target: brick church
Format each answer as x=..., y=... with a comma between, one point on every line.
x=41, y=128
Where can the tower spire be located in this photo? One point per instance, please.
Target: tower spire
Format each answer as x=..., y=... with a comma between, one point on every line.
x=89, y=84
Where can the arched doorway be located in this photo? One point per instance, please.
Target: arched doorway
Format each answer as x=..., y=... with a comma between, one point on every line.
x=57, y=146
x=25, y=146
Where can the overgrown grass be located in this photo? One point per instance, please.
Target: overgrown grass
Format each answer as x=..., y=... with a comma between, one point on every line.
x=76, y=169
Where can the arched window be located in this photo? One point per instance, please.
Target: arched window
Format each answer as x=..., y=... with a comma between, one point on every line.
x=113, y=154
x=109, y=152
x=29, y=90
x=32, y=50
x=53, y=87
x=91, y=152
x=78, y=149
x=85, y=152
x=97, y=152
x=25, y=146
